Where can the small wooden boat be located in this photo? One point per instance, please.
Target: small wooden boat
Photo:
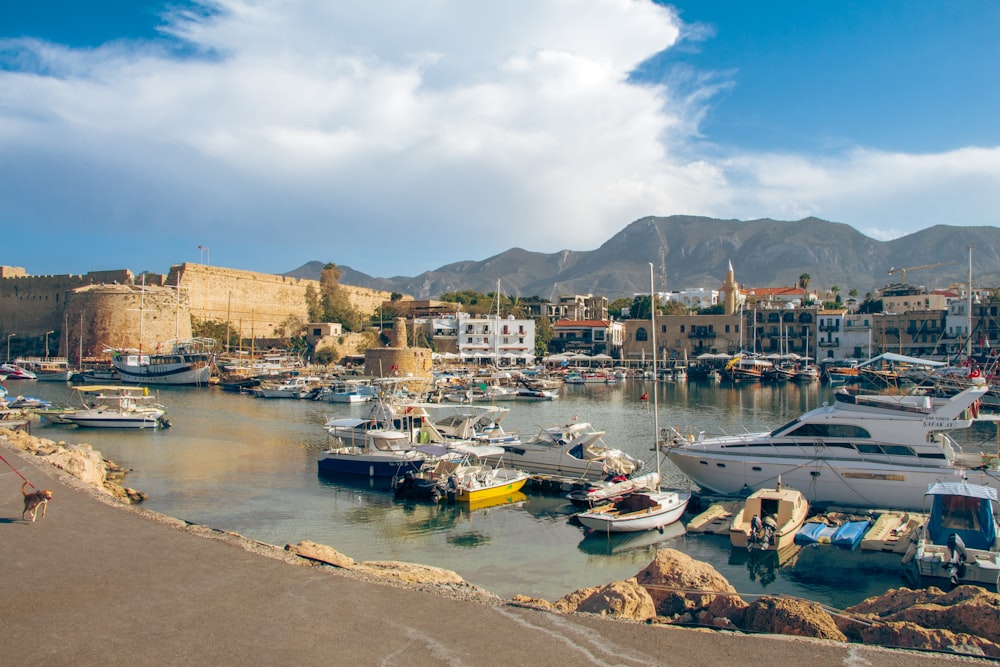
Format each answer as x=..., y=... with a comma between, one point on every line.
x=769, y=520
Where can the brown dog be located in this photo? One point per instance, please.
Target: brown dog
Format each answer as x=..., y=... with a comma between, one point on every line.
x=32, y=501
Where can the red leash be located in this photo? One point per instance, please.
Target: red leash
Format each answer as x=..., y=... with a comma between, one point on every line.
x=17, y=473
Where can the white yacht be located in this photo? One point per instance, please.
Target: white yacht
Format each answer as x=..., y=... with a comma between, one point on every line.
x=117, y=407
x=877, y=451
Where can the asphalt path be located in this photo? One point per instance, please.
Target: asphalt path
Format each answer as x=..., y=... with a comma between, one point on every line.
x=99, y=583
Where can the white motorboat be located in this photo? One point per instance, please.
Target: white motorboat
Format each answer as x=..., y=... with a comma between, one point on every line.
x=293, y=387
x=347, y=392
x=187, y=361
x=877, y=451
x=117, y=407
x=367, y=447
x=15, y=372
x=960, y=540
x=573, y=450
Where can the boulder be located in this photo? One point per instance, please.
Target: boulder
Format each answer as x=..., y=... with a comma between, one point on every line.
x=914, y=616
x=408, y=573
x=532, y=603
x=790, y=616
x=320, y=552
x=674, y=580
x=910, y=635
x=622, y=599
x=81, y=461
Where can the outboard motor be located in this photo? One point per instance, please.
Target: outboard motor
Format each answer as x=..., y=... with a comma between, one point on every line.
x=755, y=527
x=956, y=562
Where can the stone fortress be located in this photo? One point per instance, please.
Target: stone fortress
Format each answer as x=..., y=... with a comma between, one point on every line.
x=83, y=315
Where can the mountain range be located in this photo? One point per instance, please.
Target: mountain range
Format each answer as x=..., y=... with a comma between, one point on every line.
x=692, y=251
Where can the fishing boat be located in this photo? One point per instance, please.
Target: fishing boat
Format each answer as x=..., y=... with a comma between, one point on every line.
x=960, y=540
x=865, y=450
x=110, y=406
x=481, y=482
x=652, y=509
x=769, y=519
x=188, y=361
x=46, y=369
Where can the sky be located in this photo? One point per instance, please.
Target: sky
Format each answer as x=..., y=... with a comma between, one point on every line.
x=397, y=137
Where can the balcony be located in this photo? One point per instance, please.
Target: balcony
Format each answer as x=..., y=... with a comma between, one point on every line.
x=829, y=343
x=829, y=327
x=702, y=333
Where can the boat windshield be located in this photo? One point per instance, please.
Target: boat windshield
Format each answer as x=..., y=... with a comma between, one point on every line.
x=784, y=427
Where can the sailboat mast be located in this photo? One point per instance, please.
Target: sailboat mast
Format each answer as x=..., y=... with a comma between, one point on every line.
x=656, y=380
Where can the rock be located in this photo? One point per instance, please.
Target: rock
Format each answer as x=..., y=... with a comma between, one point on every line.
x=672, y=574
x=930, y=618
x=533, y=603
x=81, y=461
x=622, y=599
x=321, y=553
x=409, y=573
x=787, y=616
x=909, y=635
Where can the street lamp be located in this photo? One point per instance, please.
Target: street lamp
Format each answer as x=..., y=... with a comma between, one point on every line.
x=47, y=343
x=9, y=336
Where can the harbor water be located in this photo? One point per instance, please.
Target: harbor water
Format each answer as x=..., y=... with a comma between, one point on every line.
x=249, y=465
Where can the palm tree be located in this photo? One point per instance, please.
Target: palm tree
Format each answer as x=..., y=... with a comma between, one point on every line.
x=804, y=280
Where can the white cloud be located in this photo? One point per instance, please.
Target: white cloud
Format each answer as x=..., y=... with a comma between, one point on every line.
x=396, y=136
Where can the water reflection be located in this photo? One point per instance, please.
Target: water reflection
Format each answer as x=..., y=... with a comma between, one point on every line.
x=610, y=544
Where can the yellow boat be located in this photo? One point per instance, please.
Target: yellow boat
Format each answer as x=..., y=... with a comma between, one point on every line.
x=480, y=483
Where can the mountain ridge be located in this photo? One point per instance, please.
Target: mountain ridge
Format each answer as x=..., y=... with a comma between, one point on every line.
x=695, y=251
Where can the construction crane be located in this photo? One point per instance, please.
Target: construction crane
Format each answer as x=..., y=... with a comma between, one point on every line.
x=902, y=271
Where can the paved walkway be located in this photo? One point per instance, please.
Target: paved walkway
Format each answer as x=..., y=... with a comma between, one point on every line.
x=98, y=584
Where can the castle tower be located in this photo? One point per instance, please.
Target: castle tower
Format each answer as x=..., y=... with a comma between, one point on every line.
x=729, y=288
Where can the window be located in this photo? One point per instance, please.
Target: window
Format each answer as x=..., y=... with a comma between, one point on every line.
x=641, y=334
x=682, y=328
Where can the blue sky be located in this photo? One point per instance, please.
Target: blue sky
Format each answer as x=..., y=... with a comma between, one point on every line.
x=396, y=137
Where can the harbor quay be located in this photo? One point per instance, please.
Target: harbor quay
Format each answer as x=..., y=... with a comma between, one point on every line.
x=96, y=581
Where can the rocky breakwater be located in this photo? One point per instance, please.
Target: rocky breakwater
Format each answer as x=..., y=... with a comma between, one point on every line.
x=80, y=461
x=678, y=590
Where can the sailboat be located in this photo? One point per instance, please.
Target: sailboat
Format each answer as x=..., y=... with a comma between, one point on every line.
x=642, y=510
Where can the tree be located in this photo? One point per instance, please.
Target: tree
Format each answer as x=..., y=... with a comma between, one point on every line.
x=616, y=307
x=804, y=280
x=221, y=331
x=334, y=299
x=543, y=335
x=313, y=306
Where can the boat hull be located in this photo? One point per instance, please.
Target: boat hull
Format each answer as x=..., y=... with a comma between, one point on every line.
x=500, y=490
x=822, y=481
x=607, y=519
x=369, y=466
x=114, y=421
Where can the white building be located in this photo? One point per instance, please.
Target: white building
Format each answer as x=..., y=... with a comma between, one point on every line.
x=486, y=338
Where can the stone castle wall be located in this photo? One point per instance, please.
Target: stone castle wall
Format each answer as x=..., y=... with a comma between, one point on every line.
x=123, y=316
x=33, y=305
x=260, y=301
x=30, y=306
